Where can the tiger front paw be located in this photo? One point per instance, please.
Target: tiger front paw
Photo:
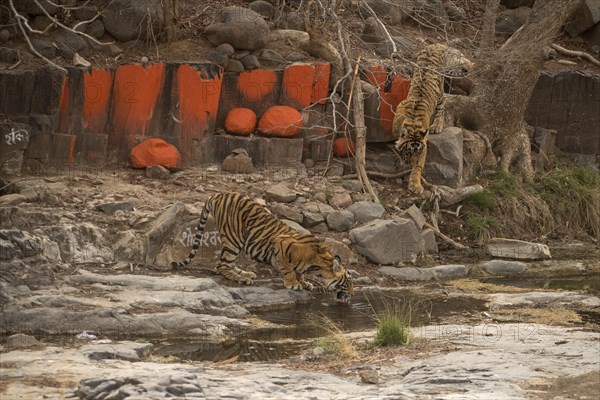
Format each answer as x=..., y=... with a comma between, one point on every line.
x=308, y=286
x=415, y=188
x=248, y=274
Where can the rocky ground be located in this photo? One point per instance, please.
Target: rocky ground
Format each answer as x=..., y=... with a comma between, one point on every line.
x=85, y=289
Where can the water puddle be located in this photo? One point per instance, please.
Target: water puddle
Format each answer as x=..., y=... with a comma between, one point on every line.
x=297, y=326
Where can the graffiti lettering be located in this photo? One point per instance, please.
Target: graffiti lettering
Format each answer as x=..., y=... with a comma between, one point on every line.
x=207, y=239
x=16, y=136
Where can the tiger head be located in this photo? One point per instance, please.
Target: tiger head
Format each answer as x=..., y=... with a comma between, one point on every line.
x=326, y=270
x=412, y=139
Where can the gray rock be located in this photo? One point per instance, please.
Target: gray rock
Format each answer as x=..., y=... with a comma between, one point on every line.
x=234, y=66
x=536, y=298
x=450, y=271
x=310, y=219
x=111, y=208
x=4, y=35
x=250, y=62
x=218, y=58
x=353, y=185
x=280, y=193
x=21, y=341
x=128, y=351
x=292, y=20
x=226, y=49
x=95, y=29
x=369, y=376
x=512, y=19
x=238, y=164
x=372, y=32
x=161, y=228
x=241, y=27
x=70, y=43
x=340, y=221
x=264, y=8
x=295, y=57
x=158, y=172
x=239, y=54
x=414, y=213
x=366, y=211
x=444, y=163
x=41, y=22
x=85, y=13
x=12, y=199
x=295, y=226
x=390, y=12
x=44, y=47
x=429, y=241
x=79, y=243
x=17, y=244
x=283, y=211
x=518, y=249
x=340, y=249
x=386, y=241
x=269, y=57
x=128, y=19
x=321, y=227
x=409, y=273
x=340, y=199
x=505, y=268
x=318, y=207
x=584, y=17
x=264, y=298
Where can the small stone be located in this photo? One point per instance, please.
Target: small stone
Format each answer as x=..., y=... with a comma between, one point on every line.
x=144, y=60
x=340, y=200
x=239, y=54
x=234, y=66
x=238, y=164
x=12, y=199
x=4, y=35
x=218, y=58
x=79, y=61
x=157, y=172
x=280, y=193
x=20, y=341
x=226, y=49
x=366, y=211
x=250, y=62
x=369, y=376
x=312, y=218
x=283, y=211
x=363, y=280
x=111, y=208
x=415, y=214
x=309, y=163
x=429, y=242
x=518, y=249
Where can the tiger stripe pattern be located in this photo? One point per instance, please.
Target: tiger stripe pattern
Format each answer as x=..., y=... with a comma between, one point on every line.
x=422, y=112
x=244, y=225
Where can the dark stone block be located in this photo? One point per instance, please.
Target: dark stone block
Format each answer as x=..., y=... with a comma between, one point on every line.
x=47, y=91
x=16, y=92
x=62, y=149
x=92, y=148
x=320, y=149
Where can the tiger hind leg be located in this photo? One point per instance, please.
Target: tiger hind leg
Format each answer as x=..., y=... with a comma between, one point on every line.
x=418, y=163
x=437, y=122
x=226, y=267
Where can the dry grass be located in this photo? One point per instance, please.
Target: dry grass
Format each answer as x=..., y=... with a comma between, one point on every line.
x=336, y=342
x=546, y=316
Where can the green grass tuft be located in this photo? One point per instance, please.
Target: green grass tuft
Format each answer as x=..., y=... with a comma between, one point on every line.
x=393, y=327
x=504, y=183
x=481, y=227
x=483, y=200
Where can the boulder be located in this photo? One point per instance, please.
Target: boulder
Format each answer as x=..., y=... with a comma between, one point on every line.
x=512, y=19
x=282, y=121
x=505, y=267
x=162, y=228
x=20, y=341
x=340, y=221
x=312, y=219
x=387, y=11
x=240, y=121
x=250, y=62
x=295, y=226
x=234, y=66
x=155, y=152
x=387, y=241
x=372, y=32
x=241, y=27
x=365, y=211
x=218, y=58
x=264, y=8
x=226, y=49
x=287, y=212
x=128, y=19
x=239, y=162
x=518, y=249
x=280, y=193
x=413, y=212
x=444, y=165
x=584, y=17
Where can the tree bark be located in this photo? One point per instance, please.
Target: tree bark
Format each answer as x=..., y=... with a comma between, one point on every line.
x=504, y=83
x=171, y=15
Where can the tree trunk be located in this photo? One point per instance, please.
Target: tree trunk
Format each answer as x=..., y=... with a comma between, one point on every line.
x=505, y=81
x=171, y=16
